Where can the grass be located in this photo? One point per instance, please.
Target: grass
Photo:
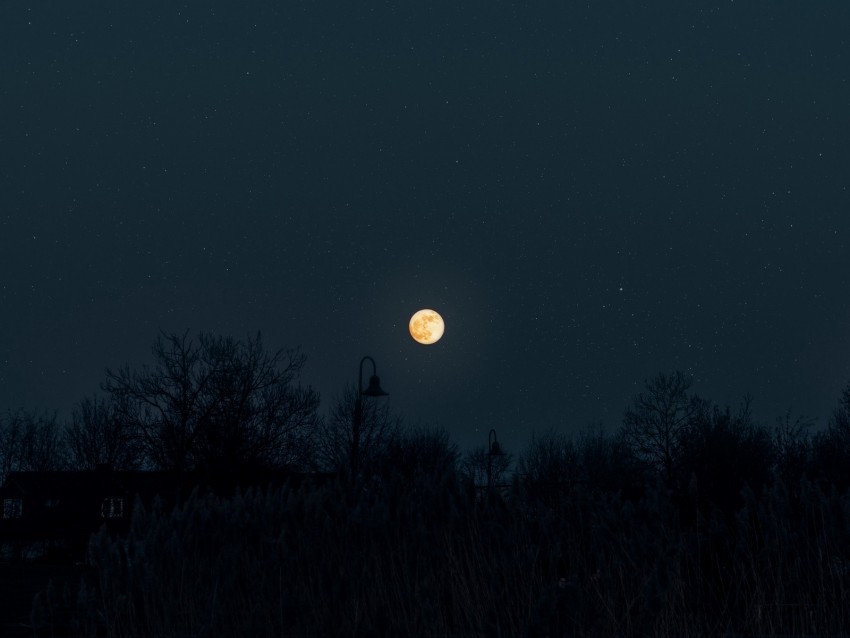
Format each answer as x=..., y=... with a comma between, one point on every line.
x=326, y=561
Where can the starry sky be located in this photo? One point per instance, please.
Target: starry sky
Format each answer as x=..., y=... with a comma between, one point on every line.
x=590, y=193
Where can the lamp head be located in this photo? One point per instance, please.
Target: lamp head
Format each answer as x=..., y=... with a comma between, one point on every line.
x=374, y=389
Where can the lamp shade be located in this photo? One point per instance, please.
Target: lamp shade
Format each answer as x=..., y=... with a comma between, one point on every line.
x=374, y=389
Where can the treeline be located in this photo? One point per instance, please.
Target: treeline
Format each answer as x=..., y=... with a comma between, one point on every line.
x=690, y=519
x=214, y=402
x=588, y=542
x=204, y=403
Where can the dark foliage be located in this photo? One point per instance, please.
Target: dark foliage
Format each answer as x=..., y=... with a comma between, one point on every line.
x=691, y=519
x=830, y=449
x=217, y=403
x=378, y=430
x=432, y=560
x=722, y=453
x=31, y=443
x=479, y=467
x=98, y=435
x=656, y=423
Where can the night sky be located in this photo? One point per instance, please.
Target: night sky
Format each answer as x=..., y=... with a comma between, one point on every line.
x=589, y=193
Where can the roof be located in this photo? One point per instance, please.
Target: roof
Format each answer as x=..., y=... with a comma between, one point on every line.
x=36, y=485
x=115, y=483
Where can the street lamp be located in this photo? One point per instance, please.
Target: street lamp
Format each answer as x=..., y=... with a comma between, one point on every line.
x=493, y=449
x=373, y=390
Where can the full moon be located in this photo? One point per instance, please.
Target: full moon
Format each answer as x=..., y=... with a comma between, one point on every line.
x=426, y=326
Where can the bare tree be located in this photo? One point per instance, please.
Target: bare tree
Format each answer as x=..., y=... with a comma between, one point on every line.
x=164, y=403
x=830, y=448
x=100, y=435
x=31, y=443
x=792, y=445
x=841, y=417
x=10, y=443
x=423, y=457
x=485, y=469
x=379, y=428
x=607, y=462
x=656, y=422
x=550, y=465
x=217, y=403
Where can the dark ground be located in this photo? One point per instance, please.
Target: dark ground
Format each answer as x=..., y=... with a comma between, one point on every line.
x=18, y=586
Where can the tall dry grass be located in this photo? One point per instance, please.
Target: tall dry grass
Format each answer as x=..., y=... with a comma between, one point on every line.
x=401, y=560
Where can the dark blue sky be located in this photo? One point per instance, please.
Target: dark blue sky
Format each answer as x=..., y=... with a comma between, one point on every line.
x=589, y=193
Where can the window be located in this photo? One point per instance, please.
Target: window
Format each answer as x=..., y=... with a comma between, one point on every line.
x=12, y=507
x=112, y=508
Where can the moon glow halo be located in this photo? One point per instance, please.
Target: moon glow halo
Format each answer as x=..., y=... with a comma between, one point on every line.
x=426, y=326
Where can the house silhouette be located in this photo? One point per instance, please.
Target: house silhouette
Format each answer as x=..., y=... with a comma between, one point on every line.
x=56, y=512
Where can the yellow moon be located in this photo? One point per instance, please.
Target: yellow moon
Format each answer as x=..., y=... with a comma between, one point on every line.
x=426, y=326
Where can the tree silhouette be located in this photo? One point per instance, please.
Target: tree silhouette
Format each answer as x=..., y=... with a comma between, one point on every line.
x=477, y=465
x=549, y=466
x=792, y=446
x=379, y=429
x=724, y=451
x=657, y=420
x=830, y=449
x=98, y=435
x=217, y=403
x=841, y=417
x=420, y=456
x=31, y=443
x=608, y=464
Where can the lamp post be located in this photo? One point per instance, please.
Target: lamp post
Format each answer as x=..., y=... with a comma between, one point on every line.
x=493, y=449
x=372, y=390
